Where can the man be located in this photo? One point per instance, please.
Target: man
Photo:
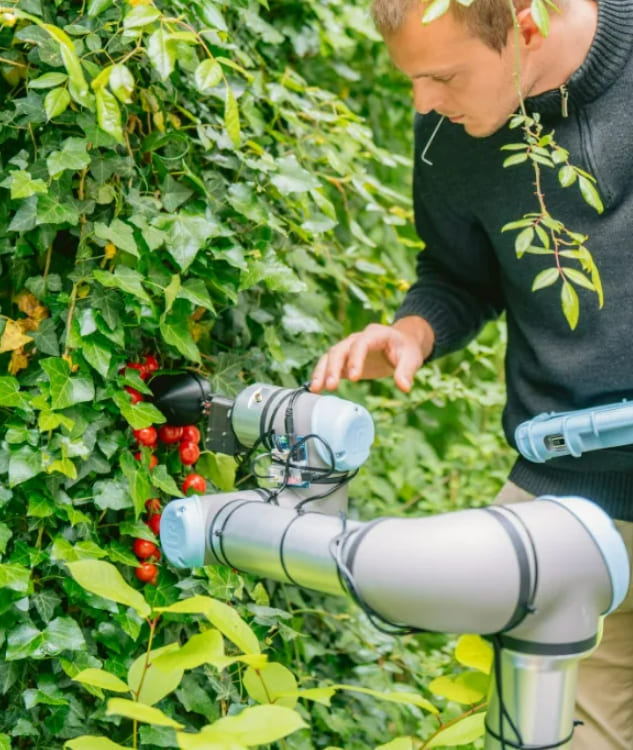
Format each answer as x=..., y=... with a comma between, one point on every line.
x=579, y=78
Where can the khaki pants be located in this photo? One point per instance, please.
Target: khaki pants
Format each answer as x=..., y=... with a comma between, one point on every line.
x=605, y=680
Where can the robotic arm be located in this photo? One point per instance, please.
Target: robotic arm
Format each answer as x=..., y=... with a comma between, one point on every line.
x=535, y=578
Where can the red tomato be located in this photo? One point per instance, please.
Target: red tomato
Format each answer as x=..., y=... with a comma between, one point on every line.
x=145, y=549
x=153, y=505
x=190, y=434
x=153, y=461
x=189, y=453
x=142, y=369
x=147, y=572
x=154, y=523
x=169, y=434
x=135, y=396
x=194, y=482
x=151, y=364
x=146, y=436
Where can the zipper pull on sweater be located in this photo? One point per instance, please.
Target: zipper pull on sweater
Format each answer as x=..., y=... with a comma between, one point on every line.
x=564, y=98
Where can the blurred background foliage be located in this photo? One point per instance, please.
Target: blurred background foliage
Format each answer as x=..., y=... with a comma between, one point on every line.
x=225, y=186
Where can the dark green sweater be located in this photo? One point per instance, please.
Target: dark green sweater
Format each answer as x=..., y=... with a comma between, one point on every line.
x=469, y=272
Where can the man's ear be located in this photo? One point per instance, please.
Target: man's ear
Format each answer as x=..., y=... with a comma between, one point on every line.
x=528, y=29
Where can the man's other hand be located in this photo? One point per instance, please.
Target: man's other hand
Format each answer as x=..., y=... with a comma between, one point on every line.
x=377, y=352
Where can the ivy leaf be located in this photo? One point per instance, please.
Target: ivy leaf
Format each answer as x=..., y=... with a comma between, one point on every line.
x=51, y=209
x=571, y=307
x=195, y=291
x=73, y=156
x=63, y=634
x=15, y=577
x=463, y=732
x=112, y=494
x=175, y=332
x=220, y=468
x=118, y=233
x=97, y=355
x=186, y=234
x=140, y=712
x=24, y=464
x=545, y=278
x=103, y=579
x=125, y=279
x=109, y=114
x=10, y=396
x=66, y=390
x=292, y=177
x=13, y=337
x=435, y=9
x=162, y=53
x=232, y=118
x=139, y=486
x=208, y=74
x=164, y=481
x=23, y=185
x=138, y=415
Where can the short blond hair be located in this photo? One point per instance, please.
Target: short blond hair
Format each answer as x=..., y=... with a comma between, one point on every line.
x=490, y=20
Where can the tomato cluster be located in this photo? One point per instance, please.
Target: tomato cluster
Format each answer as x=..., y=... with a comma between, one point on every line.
x=188, y=441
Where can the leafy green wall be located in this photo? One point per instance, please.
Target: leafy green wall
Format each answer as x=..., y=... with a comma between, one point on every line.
x=224, y=186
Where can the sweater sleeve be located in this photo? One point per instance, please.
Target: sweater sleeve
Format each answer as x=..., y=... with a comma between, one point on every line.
x=458, y=285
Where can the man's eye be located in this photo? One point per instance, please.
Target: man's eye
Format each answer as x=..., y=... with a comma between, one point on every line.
x=445, y=79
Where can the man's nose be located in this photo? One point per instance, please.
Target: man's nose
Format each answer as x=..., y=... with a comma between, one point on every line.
x=427, y=96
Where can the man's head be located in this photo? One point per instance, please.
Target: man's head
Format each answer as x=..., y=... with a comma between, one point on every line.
x=464, y=64
x=489, y=20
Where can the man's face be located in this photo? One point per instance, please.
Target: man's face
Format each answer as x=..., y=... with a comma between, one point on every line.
x=455, y=73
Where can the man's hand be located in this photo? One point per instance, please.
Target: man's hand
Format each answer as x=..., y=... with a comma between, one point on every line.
x=376, y=352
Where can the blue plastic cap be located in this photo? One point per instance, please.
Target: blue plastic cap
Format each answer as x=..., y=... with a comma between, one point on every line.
x=611, y=545
x=182, y=534
x=347, y=428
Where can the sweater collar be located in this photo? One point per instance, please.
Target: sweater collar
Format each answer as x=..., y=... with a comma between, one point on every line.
x=607, y=56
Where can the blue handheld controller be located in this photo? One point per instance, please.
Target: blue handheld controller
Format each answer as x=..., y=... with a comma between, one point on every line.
x=573, y=433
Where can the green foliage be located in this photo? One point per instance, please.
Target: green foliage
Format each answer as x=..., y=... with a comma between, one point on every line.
x=201, y=180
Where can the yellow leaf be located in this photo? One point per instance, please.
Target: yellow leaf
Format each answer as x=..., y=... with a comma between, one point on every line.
x=19, y=361
x=12, y=337
x=473, y=651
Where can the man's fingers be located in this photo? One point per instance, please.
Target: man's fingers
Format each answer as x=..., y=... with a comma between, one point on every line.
x=408, y=361
x=332, y=366
x=318, y=375
x=356, y=358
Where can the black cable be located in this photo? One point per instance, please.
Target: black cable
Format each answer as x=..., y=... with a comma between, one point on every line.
x=507, y=744
x=348, y=584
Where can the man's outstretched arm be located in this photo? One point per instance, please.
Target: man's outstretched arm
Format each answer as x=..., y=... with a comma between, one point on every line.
x=377, y=352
